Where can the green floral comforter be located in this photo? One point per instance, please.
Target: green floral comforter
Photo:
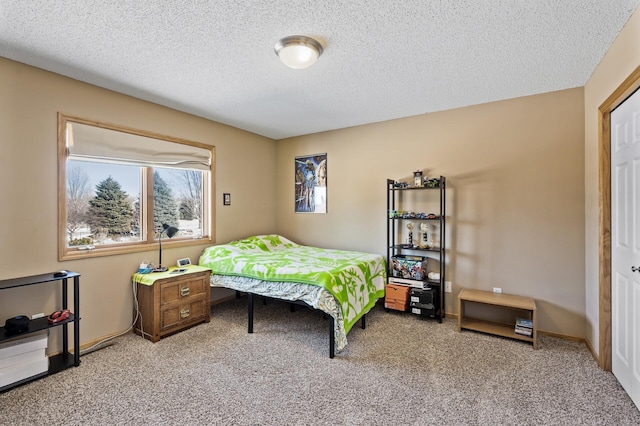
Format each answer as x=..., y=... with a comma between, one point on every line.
x=355, y=279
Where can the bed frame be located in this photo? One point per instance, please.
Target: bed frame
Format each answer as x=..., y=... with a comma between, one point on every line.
x=332, y=337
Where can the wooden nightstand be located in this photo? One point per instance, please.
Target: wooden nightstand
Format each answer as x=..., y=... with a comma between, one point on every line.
x=171, y=302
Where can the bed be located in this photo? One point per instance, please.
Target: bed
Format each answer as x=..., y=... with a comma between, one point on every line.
x=343, y=284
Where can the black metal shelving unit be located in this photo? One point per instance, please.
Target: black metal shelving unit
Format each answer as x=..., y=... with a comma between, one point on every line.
x=393, y=248
x=65, y=359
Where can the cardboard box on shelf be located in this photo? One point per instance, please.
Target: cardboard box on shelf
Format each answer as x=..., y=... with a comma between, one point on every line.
x=396, y=297
x=23, y=344
x=24, y=370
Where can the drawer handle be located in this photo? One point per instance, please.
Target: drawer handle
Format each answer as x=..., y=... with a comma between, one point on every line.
x=184, y=313
x=184, y=291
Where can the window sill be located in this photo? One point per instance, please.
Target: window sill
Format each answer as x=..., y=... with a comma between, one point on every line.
x=75, y=254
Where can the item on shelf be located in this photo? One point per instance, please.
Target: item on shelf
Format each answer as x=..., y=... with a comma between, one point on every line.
x=32, y=368
x=59, y=316
x=411, y=267
x=18, y=346
x=524, y=327
x=435, y=276
x=410, y=228
x=17, y=324
x=425, y=312
x=417, y=178
x=400, y=185
x=22, y=358
x=425, y=302
x=396, y=297
x=431, y=183
x=424, y=297
x=424, y=227
x=408, y=282
x=524, y=331
x=524, y=322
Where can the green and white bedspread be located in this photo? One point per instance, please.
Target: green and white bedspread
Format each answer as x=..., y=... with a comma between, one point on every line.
x=344, y=284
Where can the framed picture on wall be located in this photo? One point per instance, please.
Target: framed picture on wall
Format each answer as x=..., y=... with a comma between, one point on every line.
x=311, y=184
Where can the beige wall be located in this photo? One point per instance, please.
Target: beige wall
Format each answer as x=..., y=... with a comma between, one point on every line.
x=515, y=197
x=30, y=100
x=622, y=58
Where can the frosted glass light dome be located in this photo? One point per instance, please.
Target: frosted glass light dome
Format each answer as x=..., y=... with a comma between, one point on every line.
x=298, y=51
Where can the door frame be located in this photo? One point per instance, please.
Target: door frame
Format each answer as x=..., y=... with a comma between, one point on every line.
x=628, y=86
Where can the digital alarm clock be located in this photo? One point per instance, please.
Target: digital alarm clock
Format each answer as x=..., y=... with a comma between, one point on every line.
x=184, y=262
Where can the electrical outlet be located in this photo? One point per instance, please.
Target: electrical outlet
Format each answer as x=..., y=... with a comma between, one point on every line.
x=497, y=290
x=447, y=286
x=40, y=315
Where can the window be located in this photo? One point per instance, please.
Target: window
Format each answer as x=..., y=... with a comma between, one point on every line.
x=119, y=186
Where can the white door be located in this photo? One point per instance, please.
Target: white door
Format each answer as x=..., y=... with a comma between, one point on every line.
x=625, y=245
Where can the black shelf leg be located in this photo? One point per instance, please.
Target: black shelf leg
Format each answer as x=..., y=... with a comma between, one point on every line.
x=332, y=337
x=65, y=305
x=250, y=313
x=76, y=321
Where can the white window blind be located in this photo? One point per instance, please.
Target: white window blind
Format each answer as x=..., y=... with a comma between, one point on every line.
x=92, y=143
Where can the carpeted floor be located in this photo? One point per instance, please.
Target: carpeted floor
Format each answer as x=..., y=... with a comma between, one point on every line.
x=400, y=370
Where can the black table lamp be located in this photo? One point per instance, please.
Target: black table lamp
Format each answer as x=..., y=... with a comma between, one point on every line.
x=170, y=231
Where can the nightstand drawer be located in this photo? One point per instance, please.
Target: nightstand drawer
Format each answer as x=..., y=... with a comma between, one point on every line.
x=190, y=286
x=179, y=315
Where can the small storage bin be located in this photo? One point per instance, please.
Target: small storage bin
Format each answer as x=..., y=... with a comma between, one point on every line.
x=425, y=312
x=426, y=296
x=396, y=297
x=409, y=267
x=425, y=302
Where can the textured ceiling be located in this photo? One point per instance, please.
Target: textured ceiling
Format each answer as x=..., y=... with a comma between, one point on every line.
x=383, y=59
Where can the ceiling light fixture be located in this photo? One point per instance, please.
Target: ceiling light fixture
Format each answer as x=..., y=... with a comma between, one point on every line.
x=298, y=51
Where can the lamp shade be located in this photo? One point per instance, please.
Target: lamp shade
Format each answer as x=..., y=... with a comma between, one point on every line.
x=169, y=230
x=298, y=51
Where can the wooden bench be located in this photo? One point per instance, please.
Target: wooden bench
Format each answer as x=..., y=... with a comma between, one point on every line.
x=524, y=305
